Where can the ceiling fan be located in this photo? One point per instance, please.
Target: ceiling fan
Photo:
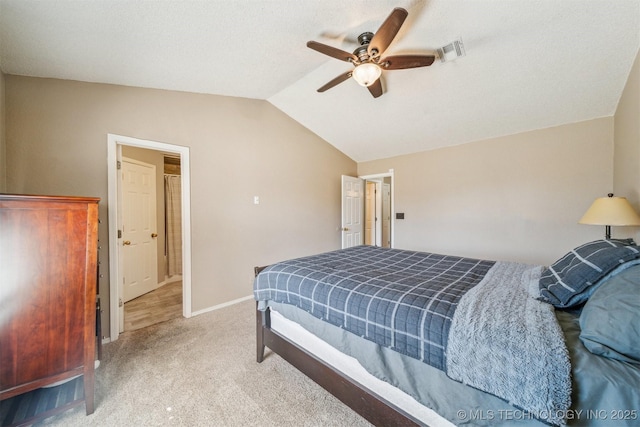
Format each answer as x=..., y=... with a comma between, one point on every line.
x=367, y=58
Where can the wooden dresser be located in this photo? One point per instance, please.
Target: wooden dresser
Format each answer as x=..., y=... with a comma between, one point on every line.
x=48, y=265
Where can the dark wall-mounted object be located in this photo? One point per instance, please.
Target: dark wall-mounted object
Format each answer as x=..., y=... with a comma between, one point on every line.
x=399, y=215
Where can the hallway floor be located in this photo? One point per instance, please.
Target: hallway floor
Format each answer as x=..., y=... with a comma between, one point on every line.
x=160, y=305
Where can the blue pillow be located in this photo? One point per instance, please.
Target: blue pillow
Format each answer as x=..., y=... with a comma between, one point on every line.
x=570, y=281
x=610, y=320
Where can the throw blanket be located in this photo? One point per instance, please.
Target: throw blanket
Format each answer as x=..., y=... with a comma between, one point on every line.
x=473, y=319
x=399, y=299
x=505, y=342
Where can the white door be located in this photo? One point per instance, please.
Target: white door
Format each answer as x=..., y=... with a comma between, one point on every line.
x=352, y=215
x=139, y=243
x=386, y=215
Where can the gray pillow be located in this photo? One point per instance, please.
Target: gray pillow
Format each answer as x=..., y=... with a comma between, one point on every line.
x=610, y=320
x=569, y=281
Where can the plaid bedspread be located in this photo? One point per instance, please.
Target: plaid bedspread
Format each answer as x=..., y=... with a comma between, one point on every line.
x=404, y=300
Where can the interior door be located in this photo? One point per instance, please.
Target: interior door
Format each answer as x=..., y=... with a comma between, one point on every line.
x=352, y=215
x=139, y=243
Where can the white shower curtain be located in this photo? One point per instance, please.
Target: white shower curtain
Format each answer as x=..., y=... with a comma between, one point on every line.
x=173, y=224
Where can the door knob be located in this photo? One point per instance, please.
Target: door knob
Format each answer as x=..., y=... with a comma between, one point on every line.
x=126, y=243
x=345, y=229
x=154, y=234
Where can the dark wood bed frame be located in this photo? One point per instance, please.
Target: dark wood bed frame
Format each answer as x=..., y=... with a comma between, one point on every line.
x=368, y=404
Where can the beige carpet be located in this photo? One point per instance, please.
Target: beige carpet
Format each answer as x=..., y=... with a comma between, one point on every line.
x=202, y=372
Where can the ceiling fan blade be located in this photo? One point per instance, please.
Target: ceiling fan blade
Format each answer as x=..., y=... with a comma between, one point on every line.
x=387, y=31
x=332, y=51
x=376, y=88
x=336, y=81
x=400, y=62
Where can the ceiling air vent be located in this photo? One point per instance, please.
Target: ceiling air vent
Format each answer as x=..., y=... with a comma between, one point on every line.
x=453, y=50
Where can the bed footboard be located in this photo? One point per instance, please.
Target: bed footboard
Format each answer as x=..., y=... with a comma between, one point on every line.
x=263, y=321
x=368, y=404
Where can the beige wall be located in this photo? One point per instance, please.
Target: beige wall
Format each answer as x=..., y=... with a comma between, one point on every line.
x=626, y=177
x=516, y=198
x=240, y=148
x=3, y=170
x=155, y=158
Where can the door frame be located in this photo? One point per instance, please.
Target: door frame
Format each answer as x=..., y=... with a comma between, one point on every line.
x=379, y=176
x=114, y=154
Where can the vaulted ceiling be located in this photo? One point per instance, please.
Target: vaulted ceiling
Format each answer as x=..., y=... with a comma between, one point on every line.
x=529, y=64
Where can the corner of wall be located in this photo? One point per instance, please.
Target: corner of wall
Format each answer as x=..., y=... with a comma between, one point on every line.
x=626, y=170
x=3, y=150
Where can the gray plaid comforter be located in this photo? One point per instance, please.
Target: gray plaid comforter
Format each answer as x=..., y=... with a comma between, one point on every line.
x=404, y=300
x=478, y=321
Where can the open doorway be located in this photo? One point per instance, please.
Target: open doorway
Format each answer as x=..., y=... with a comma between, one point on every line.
x=368, y=210
x=377, y=212
x=181, y=263
x=152, y=237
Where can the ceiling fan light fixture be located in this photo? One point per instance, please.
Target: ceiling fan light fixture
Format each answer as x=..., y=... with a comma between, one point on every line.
x=366, y=74
x=368, y=59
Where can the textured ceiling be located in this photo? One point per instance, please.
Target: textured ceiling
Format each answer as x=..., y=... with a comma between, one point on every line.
x=529, y=64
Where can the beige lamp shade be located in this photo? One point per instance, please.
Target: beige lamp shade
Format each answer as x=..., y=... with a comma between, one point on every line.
x=610, y=211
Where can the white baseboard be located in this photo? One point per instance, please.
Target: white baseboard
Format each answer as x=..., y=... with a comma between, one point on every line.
x=219, y=306
x=107, y=340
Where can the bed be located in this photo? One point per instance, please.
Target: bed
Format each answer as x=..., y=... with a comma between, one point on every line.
x=415, y=338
